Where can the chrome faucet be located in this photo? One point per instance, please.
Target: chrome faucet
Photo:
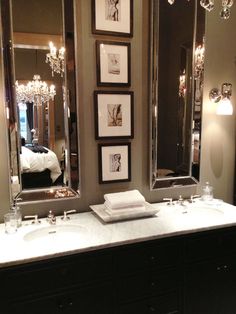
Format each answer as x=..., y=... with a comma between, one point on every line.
x=36, y=221
x=182, y=204
x=66, y=212
x=193, y=197
x=169, y=199
x=51, y=218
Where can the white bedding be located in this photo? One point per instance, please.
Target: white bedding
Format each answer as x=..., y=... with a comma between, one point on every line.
x=37, y=162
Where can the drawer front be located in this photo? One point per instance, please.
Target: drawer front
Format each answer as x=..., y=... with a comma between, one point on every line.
x=90, y=300
x=57, y=275
x=167, y=304
x=133, y=287
x=166, y=255
x=228, y=242
x=164, y=281
x=217, y=243
x=147, y=284
x=135, y=259
x=202, y=247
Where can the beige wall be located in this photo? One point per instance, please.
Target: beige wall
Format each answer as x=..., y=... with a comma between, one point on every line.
x=4, y=175
x=218, y=140
x=92, y=192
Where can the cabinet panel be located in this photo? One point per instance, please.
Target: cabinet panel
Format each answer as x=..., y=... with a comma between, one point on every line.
x=159, y=254
x=96, y=299
x=202, y=288
x=202, y=247
x=58, y=274
x=227, y=297
x=167, y=304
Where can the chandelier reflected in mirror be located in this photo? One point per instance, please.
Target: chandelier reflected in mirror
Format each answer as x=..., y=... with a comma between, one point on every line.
x=36, y=91
x=56, y=59
x=209, y=6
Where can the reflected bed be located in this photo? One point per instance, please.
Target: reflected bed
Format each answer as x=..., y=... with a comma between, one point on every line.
x=39, y=169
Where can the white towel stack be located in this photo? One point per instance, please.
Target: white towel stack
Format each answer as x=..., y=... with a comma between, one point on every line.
x=124, y=202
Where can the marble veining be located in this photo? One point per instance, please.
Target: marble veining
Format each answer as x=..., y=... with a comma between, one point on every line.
x=95, y=234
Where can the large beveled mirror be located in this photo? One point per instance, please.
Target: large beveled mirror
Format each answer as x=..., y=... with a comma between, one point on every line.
x=176, y=82
x=41, y=98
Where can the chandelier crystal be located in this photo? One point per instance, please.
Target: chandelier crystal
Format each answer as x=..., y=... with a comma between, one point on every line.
x=199, y=60
x=209, y=6
x=36, y=91
x=56, y=59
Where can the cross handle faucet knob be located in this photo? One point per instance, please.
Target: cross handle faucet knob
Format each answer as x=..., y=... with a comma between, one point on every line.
x=66, y=212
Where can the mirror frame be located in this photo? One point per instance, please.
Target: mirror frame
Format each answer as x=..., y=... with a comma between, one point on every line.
x=54, y=193
x=166, y=182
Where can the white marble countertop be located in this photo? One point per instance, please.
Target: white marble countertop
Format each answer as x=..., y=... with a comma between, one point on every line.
x=94, y=234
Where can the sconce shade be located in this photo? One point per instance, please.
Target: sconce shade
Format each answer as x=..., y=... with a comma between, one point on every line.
x=225, y=107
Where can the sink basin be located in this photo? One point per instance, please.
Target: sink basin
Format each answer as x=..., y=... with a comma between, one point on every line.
x=56, y=233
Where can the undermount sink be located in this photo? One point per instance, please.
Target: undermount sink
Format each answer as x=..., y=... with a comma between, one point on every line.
x=56, y=233
x=213, y=208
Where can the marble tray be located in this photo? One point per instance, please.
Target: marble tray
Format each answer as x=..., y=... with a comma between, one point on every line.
x=100, y=211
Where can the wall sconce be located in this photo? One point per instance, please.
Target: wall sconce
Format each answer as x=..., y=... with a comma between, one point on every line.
x=225, y=106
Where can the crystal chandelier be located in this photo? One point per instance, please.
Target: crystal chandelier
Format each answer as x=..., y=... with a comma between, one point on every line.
x=209, y=5
x=55, y=59
x=199, y=60
x=182, y=84
x=36, y=91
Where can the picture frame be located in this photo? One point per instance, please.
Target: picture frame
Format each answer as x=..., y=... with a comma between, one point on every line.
x=112, y=17
x=114, y=114
x=114, y=162
x=113, y=63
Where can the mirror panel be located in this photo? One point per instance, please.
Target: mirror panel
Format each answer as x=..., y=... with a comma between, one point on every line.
x=175, y=93
x=43, y=137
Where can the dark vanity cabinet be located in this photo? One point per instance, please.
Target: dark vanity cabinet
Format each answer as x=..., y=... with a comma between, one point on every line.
x=149, y=278
x=73, y=284
x=190, y=274
x=210, y=273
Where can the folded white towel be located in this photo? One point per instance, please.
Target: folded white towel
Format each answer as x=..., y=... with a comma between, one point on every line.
x=125, y=210
x=124, y=199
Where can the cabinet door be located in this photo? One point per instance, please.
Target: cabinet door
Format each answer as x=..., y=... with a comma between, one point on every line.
x=166, y=304
x=90, y=300
x=202, y=284
x=227, y=297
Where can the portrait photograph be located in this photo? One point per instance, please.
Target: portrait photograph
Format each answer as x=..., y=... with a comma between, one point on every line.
x=113, y=63
x=113, y=114
x=112, y=17
x=114, y=162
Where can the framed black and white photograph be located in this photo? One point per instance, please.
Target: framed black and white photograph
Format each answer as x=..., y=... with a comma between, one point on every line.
x=113, y=115
x=112, y=17
x=113, y=63
x=114, y=162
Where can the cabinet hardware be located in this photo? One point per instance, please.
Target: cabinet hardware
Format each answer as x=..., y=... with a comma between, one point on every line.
x=60, y=306
x=153, y=259
x=152, y=309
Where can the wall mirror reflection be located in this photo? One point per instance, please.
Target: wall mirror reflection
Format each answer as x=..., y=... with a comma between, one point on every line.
x=176, y=82
x=42, y=109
